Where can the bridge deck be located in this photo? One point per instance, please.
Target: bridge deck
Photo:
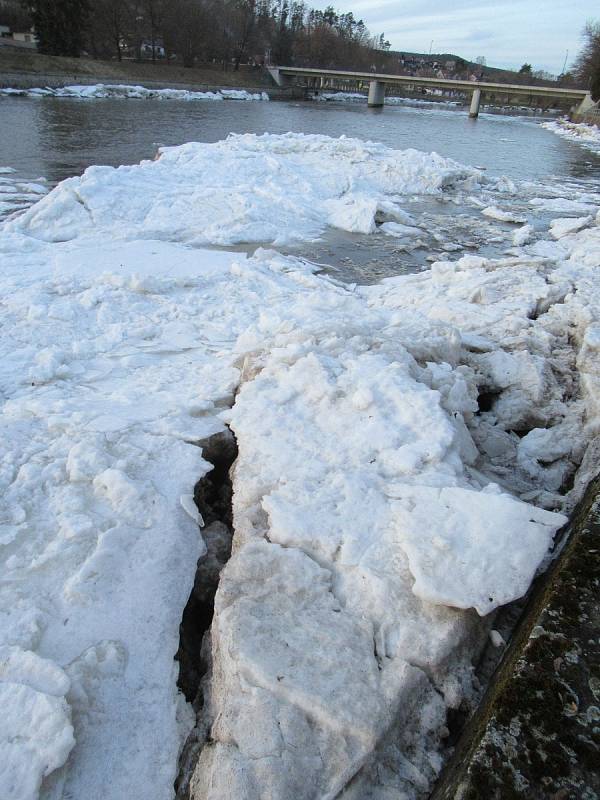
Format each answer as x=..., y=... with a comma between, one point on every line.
x=437, y=83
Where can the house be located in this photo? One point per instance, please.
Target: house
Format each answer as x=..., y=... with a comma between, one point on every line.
x=27, y=37
x=147, y=47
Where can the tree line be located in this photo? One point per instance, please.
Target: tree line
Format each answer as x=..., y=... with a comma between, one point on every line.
x=587, y=65
x=229, y=32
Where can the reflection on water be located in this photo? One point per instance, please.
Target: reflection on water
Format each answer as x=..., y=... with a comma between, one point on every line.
x=61, y=137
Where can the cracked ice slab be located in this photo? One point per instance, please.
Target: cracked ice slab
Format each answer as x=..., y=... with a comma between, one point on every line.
x=471, y=549
x=123, y=347
x=247, y=188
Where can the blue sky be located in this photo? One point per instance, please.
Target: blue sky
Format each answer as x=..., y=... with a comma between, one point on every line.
x=507, y=32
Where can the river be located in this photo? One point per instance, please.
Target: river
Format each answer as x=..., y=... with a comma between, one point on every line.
x=56, y=138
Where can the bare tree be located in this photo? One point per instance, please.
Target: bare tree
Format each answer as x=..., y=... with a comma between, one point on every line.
x=186, y=30
x=587, y=65
x=244, y=20
x=110, y=21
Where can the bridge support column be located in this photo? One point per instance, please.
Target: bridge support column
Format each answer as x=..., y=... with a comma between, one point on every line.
x=475, y=101
x=376, y=94
x=587, y=104
x=280, y=80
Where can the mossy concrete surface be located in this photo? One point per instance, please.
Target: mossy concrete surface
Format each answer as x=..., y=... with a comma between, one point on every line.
x=536, y=734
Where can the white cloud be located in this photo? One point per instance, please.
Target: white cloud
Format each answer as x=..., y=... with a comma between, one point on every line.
x=507, y=33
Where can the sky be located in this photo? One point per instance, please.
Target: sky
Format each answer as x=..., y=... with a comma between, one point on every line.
x=507, y=32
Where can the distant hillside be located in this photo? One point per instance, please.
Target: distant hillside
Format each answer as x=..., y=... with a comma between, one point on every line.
x=463, y=65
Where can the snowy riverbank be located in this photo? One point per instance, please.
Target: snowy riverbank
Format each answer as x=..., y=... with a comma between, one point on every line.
x=101, y=90
x=359, y=97
x=585, y=135
x=406, y=452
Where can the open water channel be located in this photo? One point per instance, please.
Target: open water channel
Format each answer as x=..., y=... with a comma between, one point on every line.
x=56, y=138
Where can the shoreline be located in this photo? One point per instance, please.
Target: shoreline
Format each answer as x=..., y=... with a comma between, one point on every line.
x=22, y=80
x=31, y=70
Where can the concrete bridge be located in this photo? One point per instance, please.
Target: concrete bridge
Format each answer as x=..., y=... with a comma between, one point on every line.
x=328, y=78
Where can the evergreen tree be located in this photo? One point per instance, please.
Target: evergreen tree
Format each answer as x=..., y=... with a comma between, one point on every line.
x=60, y=25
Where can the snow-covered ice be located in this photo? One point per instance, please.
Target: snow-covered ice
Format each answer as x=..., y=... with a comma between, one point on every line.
x=18, y=193
x=502, y=215
x=247, y=188
x=404, y=455
x=102, y=90
x=361, y=97
x=564, y=225
x=579, y=132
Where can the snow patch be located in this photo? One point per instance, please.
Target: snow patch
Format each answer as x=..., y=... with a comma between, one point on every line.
x=102, y=90
x=578, y=132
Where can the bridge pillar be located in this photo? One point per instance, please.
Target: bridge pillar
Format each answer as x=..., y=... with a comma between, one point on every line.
x=475, y=101
x=280, y=80
x=376, y=94
x=587, y=104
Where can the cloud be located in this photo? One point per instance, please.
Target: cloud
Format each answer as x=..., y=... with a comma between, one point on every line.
x=507, y=33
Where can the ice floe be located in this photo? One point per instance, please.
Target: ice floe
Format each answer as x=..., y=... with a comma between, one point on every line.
x=406, y=452
x=361, y=97
x=18, y=193
x=248, y=188
x=103, y=90
x=579, y=132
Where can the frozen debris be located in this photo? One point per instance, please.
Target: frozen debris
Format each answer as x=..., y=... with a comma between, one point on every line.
x=18, y=194
x=361, y=97
x=190, y=508
x=248, y=188
x=102, y=90
x=579, y=132
x=562, y=205
x=502, y=215
x=471, y=549
x=388, y=436
x=566, y=225
x=340, y=97
x=401, y=231
x=522, y=236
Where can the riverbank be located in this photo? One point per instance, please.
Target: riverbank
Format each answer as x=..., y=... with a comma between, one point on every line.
x=585, y=134
x=27, y=70
x=587, y=119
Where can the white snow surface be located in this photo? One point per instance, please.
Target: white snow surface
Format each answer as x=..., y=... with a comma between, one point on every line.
x=579, y=132
x=103, y=90
x=18, y=193
x=248, y=188
x=373, y=508
x=502, y=215
x=361, y=97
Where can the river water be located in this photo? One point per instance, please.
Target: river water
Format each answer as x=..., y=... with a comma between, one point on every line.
x=59, y=137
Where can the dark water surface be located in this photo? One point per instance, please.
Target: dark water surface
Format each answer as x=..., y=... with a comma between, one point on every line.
x=60, y=137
